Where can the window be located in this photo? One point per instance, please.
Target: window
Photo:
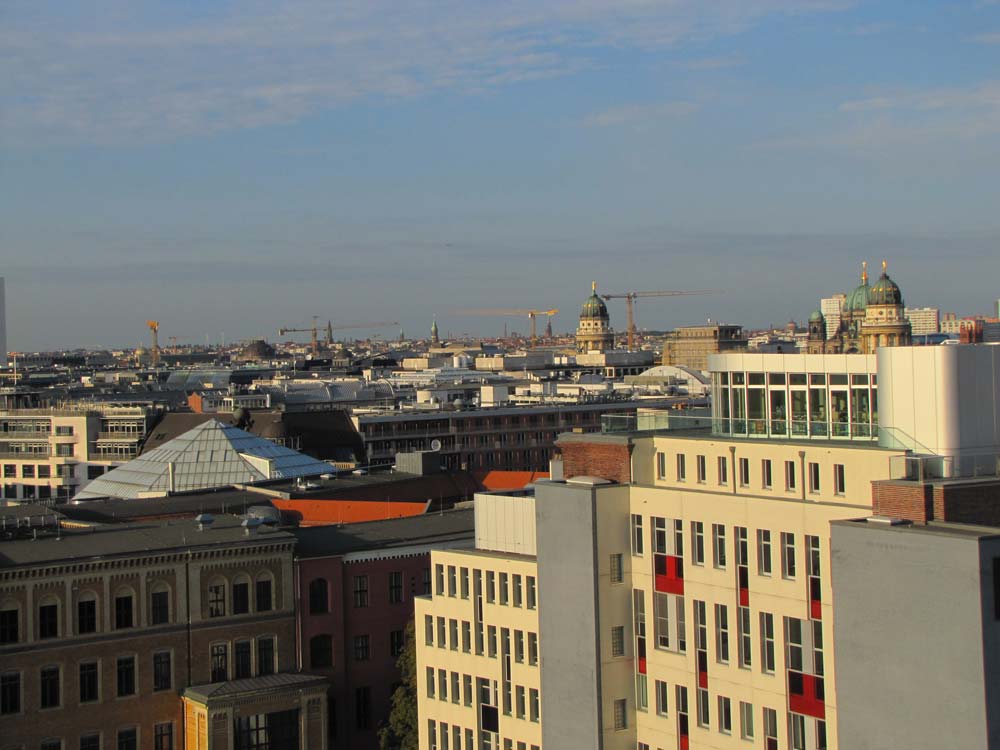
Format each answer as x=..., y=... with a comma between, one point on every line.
x=265, y=656
x=9, y=625
x=637, y=535
x=453, y=634
x=491, y=641
x=320, y=651
x=442, y=685
x=220, y=662
x=620, y=718
x=765, y=474
x=396, y=641
x=159, y=610
x=746, y=720
x=681, y=468
x=318, y=597
x=163, y=736
x=770, y=728
x=797, y=731
x=662, y=697
x=452, y=581
x=491, y=587
x=427, y=581
x=767, y=642
x=723, y=470
x=90, y=742
x=618, y=641
x=517, y=585
x=362, y=707
x=789, y=476
x=821, y=735
x=217, y=599
x=128, y=739
x=51, y=694
x=439, y=580
x=48, y=621
x=617, y=568
x=28, y=471
x=744, y=472
x=745, y=642
x=813, y=477
x=126, y=676
x=532, y=595
x=534, y=708
x=725, y=715
x=90, y=679
x=719, y=545
x=395, y=587
x=456, y=694
x=163, y=678
x=532, y=649
x=722, y=633
x=241, y=598
x=839, y=479
x=519, y=693
x=362, y=647
x=432, y=734
x=10, y=693
x=463, y=577
x=704, y=715
x=430, y=682
x=360, y=591
x=442, y=638
x=504, y=589
x=764, y=552
x=787, y=555
x=124, y=614
x=697, y=543
x=661, y=465
x=264, y=601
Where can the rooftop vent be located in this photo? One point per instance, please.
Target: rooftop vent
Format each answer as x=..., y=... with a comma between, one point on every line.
x=204, y=521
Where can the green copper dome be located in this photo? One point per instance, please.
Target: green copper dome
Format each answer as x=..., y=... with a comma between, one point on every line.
x=885, y=291
x=816, y=317
x=857, y=300
x=594, y=307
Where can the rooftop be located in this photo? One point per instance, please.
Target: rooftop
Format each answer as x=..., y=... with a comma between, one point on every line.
x=253, y=686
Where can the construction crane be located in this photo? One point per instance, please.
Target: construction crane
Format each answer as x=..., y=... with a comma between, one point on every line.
x=154, y=351
x=631, y=297
x=330, y=328
x=502, y=312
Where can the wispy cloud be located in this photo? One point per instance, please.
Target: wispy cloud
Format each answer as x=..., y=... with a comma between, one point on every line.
x=713, y=63
x=639, y=114
x=989, y=38
x=872, y=29
x=137, y=72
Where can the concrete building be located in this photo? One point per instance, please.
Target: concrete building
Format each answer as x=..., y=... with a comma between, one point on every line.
x=690, y=346
x=686, y=576
x=924, y=320
x=3, y=323
x=152, y=637
x=832, y=308
x=51, y=454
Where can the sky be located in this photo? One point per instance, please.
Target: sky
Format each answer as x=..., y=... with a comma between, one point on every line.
x=228, y=168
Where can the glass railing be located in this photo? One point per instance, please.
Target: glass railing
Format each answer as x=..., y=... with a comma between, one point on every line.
x=654, y=421
x=921, y=468
x=794, y=428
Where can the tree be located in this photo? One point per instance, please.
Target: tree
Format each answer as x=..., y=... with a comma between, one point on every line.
x=402, y=732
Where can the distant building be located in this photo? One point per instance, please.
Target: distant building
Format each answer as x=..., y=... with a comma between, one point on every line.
x=832, y=308
x=3, y=324
x=690, y=346
x=594, y=333
x=924, y=320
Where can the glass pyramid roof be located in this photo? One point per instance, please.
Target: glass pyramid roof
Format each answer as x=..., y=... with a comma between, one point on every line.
x=211, y=455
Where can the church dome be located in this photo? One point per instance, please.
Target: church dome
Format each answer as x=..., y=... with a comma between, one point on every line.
x=816, y=317
x=857, y=301
x=885, y=291
x=594, y=307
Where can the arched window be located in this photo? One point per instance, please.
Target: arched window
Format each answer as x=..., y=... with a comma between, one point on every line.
x=320, y=651
x=264, y=593
x=318, y=597
x=159, y=603
x=10, y=621
x=48, y=617
x=87, y=612
x=241, y=594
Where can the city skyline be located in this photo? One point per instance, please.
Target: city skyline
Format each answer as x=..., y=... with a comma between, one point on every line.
x=240, y=169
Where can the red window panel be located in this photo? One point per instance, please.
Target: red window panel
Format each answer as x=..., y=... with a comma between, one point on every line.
x=668, y=574
x=806, y=695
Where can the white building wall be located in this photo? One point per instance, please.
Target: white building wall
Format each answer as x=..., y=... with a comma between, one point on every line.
x=505, y=523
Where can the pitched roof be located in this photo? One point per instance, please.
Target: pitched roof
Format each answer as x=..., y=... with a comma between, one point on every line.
x=212, y=454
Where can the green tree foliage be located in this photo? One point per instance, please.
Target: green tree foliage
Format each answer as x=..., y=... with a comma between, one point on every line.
x=403, y=730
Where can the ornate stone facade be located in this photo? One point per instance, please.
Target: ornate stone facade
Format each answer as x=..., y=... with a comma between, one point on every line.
x=594, y=333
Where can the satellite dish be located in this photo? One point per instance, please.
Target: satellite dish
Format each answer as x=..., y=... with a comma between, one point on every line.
x=435, y=445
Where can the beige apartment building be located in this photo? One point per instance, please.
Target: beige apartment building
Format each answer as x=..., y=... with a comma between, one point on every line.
x=50, y=454
x=478, y=680
x=690, y=346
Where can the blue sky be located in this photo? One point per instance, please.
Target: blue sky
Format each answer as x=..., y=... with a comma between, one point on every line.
x=238, y=166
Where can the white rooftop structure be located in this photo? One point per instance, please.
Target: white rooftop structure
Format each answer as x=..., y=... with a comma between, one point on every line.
x=212, y=454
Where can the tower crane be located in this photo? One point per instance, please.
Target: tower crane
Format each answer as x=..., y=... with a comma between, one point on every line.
x=154, y=351
x=330, y=328
x=502, y=312
x=631, y=297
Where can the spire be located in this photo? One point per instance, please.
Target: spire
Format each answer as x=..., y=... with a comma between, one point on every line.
x=434, y=331
x=864, y=272
x=593, y=287
x=884, y=265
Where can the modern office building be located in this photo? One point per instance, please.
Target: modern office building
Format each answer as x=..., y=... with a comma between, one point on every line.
x=832, y=308
x=51, y=454
x=687, y=577
x=152, y=637
x=924, y=320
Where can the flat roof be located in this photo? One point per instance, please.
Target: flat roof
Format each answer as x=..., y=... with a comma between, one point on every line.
x=99, y=542
x=253, y=685
x=934, y=528
x=428, y=528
